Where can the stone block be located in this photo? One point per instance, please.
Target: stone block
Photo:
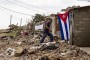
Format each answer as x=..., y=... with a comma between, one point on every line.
x=18, y=51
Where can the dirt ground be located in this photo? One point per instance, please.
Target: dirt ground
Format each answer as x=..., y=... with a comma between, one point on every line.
x=64, y=51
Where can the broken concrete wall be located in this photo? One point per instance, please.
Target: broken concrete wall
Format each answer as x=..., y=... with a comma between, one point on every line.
x=81, y=26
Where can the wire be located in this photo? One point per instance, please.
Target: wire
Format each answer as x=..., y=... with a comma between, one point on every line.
x=32, y=5
x=15, y=11
x=24, y=7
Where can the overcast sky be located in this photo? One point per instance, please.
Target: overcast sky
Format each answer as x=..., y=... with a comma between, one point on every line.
x=25, y=9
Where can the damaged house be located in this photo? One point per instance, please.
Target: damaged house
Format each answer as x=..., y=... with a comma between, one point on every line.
x=80, y=26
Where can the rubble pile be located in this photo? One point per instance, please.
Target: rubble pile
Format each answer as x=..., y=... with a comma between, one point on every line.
x=30, y=49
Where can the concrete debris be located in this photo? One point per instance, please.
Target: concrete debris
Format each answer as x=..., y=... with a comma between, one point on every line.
x=33, y=50
x=35, y=36
x=44, y=58
x=69, y=52
x=18, y=51
x=10, y=51
x=29, y=49
x=63, y=54
x=34, y=47
x=19, y=43
x=49, y=45
x=14, y=52
x=1, y=55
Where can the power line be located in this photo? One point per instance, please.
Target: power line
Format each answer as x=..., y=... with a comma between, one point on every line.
x=23, y=6
x=31, y=5
x=84, y=0
x=15, y=11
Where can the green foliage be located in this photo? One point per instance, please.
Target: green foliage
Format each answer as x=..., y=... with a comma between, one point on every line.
x=13, y=27
x=14, y=30
x=11, y=34
x=38, y=18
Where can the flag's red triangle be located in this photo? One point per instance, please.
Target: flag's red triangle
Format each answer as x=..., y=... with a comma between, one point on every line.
x=63, y=17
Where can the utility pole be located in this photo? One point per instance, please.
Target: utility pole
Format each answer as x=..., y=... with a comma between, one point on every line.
x=26, y=22
x=10, y=19
x=20, y=22
x=10, y=22
x=33, y=26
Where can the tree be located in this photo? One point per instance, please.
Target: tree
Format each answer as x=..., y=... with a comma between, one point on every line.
x=38, y=18
x=13, y=27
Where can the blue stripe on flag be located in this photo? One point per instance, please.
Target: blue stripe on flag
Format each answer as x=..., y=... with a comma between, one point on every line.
x=60, y=25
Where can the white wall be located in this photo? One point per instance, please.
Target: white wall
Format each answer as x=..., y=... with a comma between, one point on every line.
x=39, y=27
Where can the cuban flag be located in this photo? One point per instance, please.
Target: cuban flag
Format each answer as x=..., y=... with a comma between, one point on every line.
x=64, y=25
